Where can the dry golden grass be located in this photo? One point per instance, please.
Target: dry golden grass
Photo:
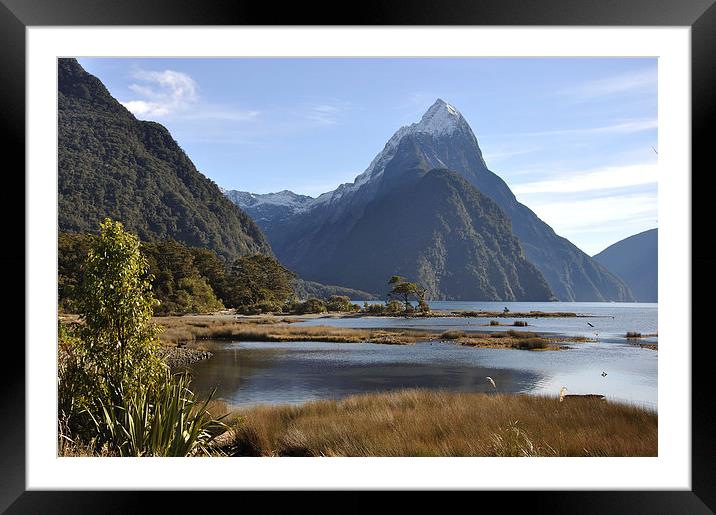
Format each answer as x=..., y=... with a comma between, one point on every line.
x=429, y=423
x=73, y=449
x=511, y=339
x=177, y=330
x=186, y=329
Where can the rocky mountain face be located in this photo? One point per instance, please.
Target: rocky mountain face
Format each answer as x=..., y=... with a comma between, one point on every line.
x=453, y=240
x=113, y=165
x=636, y=260
x=442, y=140
x=269, y=209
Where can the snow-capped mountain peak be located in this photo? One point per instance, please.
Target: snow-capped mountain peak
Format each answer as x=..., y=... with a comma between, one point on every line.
x=441, y=119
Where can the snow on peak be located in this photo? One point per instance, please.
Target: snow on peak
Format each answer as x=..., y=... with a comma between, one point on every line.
x=441, y=119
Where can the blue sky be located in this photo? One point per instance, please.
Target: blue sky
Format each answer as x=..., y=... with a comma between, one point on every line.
x=573, y=138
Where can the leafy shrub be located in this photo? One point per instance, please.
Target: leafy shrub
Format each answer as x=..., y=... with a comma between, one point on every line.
x=311, y=306
x=520, y=323
x=340, y=303
x=494, y=322
x=633, y=334
x=263, y=306
x=375, y=309
x=394, y=307
x=270, y=306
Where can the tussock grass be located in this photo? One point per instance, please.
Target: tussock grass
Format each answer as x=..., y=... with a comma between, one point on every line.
x=430, y=423
x=531, y=343
x=519, y=335
x=635, y=334
x=179, y=330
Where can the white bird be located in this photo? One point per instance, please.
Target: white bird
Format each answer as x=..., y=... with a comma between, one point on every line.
x=604, y=374
x=562, y=393
x=492, y=382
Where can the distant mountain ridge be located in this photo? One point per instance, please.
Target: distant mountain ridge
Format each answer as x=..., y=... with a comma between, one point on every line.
x=269, y=209
x=443, y=140
x=112, y=165
x=306, y=289
x=636, y=260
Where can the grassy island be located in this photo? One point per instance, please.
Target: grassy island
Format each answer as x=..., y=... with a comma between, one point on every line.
x=186, y=329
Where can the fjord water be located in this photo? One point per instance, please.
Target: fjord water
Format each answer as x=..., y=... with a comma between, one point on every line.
x=610, y=319
x=249, y=373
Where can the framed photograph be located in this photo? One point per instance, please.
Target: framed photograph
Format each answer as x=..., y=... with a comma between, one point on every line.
x=395, y=251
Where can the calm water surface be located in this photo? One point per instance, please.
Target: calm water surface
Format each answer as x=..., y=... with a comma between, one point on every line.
x=248, y=373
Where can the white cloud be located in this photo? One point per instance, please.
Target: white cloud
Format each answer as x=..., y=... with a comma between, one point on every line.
x=325, y=113
x=172, y=93
x=587, y=223
x=632, y=81
x=583, y=214
x=141, y=108
x=610, y=177
x=162, y=93
x=591, y=206
x=625, y=127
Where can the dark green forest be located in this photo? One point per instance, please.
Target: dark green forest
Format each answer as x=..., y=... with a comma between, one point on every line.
x=186, y=279
x=113, y=165
x=197, y=280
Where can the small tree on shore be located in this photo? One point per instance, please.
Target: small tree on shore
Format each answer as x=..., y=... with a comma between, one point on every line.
x=118, y=341
x=402, y=290
x=114, y=392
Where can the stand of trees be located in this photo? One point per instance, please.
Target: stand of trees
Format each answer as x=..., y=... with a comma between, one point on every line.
x=196, y=280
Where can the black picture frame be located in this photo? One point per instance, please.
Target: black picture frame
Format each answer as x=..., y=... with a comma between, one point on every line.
x=17, y=15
